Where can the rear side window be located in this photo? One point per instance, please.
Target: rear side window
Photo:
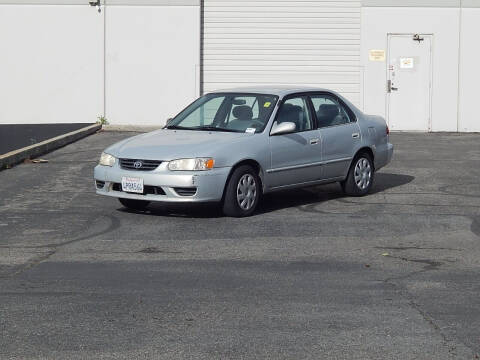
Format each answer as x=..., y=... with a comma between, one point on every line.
x=329, y=111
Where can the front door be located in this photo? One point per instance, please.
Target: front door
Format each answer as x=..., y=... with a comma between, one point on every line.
x=296, y=157
x=409, y=82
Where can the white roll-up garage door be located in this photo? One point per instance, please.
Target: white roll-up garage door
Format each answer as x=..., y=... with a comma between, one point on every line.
x=312, y=43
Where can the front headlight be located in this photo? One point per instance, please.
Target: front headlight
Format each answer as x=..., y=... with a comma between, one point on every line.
x=107, y=159
x=200, y=164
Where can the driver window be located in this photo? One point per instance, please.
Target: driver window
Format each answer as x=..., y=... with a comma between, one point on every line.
x=295, y=110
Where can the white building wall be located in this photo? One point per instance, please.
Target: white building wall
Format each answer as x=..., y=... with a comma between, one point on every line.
x=152, y=59
x=469, y=120
x=51, y=62
x=443, y=23
x=52, y=67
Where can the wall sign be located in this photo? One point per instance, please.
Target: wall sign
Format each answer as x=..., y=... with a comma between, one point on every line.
x=376, y=55
x=406, y=63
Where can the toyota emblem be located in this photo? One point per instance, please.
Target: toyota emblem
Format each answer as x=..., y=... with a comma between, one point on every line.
x=137, y=164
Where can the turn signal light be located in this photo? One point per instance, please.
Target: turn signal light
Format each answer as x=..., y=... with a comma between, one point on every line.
x=209, y=164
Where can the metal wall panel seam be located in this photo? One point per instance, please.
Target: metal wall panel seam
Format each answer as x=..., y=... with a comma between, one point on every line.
x=459, y=67
x=111, y=2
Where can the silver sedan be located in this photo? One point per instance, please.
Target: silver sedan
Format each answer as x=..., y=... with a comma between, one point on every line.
x=233, y=146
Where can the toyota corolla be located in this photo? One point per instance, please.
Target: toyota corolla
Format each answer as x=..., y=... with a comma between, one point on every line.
x=234, y=146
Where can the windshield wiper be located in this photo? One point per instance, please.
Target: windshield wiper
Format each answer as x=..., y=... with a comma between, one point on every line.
x=214, y=128
x=176, y=127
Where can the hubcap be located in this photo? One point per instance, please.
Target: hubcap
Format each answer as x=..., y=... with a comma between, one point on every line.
x=363, y=173
x=246, y=192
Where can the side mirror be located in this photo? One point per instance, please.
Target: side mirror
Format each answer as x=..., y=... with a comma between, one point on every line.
x=283, y=128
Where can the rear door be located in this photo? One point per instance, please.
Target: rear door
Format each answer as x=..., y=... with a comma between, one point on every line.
x=296, y=157
x=339, y=132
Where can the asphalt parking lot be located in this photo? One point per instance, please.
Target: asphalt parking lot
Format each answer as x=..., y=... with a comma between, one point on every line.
x=313, y=275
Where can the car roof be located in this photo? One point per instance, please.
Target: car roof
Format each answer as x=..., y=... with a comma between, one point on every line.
x=281, y=91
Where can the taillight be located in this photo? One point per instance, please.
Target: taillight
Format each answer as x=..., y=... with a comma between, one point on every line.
x=388, y=130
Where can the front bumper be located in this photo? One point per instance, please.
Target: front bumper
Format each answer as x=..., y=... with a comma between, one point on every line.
x=164, y=185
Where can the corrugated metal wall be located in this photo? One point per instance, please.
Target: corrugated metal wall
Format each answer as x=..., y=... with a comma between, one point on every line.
x=313, y=43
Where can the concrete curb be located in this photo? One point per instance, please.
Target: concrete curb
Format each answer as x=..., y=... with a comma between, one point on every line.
x=132, y=128
x=16, y=156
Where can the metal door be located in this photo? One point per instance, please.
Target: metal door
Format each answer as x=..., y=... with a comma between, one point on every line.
x=409, y=82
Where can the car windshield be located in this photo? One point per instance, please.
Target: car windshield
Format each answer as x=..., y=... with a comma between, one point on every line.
x=233, y=112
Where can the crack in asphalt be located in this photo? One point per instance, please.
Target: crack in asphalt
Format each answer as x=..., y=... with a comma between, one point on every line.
x=30, y=264
x=155, y=250
x=475, y=227
x=405, y=204
x=114, y=224
x=449, y=343
x=401, y=248
x=429, y=266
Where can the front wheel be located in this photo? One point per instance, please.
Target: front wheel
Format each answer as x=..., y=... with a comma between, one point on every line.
x=134, y=204
x=242, y=193
x=359, y=180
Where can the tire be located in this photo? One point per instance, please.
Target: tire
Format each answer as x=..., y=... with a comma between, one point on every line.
x=242, y=193
x=359, y=180
x=134, y=204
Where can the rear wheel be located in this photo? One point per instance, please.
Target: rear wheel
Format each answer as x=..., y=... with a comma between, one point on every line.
x=134, y=204
x=242, y=193
x=360, y=176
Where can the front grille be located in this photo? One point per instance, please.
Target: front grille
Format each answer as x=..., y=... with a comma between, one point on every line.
x=185, y=191
x=147, y=189
x=139, y=165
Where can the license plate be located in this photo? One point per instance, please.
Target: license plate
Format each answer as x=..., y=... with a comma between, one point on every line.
x=134, y=185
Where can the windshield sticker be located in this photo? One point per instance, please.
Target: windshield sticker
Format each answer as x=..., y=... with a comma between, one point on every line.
x=250, y=130
x=267, y=104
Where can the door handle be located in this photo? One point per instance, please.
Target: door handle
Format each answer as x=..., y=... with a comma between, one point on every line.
x=313, y=141
x=355, y=135
x=390, y=86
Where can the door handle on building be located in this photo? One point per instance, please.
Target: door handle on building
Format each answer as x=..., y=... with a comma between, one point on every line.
x=390, y=88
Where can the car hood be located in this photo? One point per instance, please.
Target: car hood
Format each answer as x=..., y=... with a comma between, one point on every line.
x=167, y=144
